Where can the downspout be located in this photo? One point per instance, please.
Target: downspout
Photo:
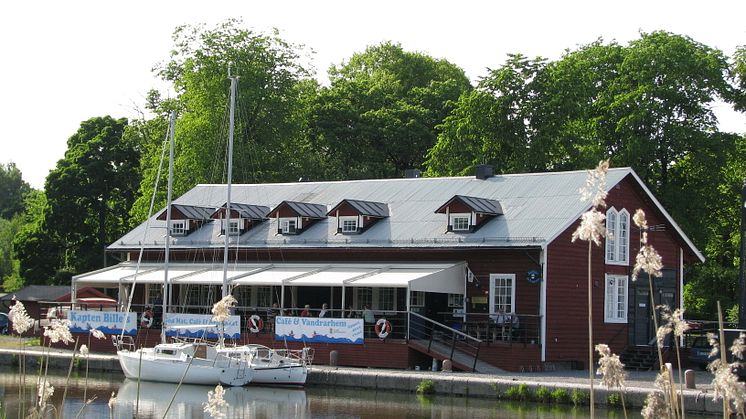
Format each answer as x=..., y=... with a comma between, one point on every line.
x=543, y=303
x=409, y=316
x=344, y=307
x=681, y=288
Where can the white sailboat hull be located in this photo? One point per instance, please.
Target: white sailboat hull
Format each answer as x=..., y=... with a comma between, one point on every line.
x=274, y=366
x=289, y=375
x=150, y=367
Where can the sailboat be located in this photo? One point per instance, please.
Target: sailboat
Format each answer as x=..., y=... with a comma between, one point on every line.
x=182, y=361
x=277, y=366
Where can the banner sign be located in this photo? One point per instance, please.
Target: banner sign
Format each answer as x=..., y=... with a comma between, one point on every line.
x=197, y=323
x=314, y=329
x=109, y=322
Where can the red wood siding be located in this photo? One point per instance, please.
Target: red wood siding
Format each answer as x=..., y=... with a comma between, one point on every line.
x=458, y=207
x=567, y=280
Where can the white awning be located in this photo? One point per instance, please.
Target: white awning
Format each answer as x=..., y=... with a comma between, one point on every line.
x=427, y=277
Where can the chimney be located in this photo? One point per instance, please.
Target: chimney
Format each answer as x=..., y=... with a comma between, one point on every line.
x=483, y=171
x=412, y=173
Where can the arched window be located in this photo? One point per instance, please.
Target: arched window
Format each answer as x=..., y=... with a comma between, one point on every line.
x=617, y=240
x=611, y=220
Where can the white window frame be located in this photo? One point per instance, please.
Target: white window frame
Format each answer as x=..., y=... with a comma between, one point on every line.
x=384, y=298
x=179, y=227
x=505, y=306
x=456, y=300
x=378, y=298
x=617, y=239
x=285, y=225
x=616, y=298
x=235, y=226
x=363, y=297
x=623, y=230
x=417, y=298
x=460, y=217
x=252, y=296
x=344, y=224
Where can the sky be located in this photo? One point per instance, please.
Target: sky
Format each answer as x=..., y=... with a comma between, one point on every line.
x=64, y=62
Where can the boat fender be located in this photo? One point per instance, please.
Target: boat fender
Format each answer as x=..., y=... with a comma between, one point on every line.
x=146, y=320
x=255, y=324
x=383, y=328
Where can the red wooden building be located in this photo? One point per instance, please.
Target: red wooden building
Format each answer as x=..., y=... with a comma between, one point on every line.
x=480, y=269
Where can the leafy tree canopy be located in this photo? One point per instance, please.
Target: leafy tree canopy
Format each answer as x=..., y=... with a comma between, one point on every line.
x=38, y=251
x=271, y=87
x=12, y=190
x=90, y=192
x=381, y=112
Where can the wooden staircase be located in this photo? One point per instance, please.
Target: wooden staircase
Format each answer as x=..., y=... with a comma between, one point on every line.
x=640, y=358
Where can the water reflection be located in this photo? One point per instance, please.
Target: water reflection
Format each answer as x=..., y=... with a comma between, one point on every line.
x=248, y=402
x=265, y=402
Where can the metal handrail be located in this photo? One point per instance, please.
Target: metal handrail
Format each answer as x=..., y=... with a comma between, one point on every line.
x=455, y=336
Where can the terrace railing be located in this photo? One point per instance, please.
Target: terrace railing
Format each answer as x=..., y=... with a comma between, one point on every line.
x=435, y=337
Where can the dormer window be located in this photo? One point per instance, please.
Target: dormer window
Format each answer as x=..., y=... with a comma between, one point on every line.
x=348, y=224
x=355, y=216
x=243, y=217
x=234, y=227
x=288, y=226
x=460, y=222
x=178, y=227
x=186, y=219
x=296, y=217
x=466, y=214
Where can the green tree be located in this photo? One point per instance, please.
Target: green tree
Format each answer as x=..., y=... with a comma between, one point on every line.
x=12, y=189
x=268, y=126
x=381, y=112
x=661, y=104
x=8, y=262
x=38, y=251
x=738, y=70
x=91, y=191
x=531, y=115
x=493, y=123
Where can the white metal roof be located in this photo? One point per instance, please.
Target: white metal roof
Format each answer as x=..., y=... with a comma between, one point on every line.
x=536, y=208
x=429, y=277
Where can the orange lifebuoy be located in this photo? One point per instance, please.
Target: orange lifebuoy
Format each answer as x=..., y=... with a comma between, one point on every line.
x=255, y=324
x=383, y=328
x=146, y=320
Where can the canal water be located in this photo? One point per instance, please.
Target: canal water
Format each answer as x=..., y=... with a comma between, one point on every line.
x=260, y=402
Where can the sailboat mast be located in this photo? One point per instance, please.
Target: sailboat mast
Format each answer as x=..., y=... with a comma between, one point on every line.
x=234, y=82
x=166, y=280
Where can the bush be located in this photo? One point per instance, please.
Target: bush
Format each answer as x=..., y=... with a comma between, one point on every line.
x=543, y=394
x=579, y=397
x=559, y=395
x=520, y=392
x=614, y=399
x=426, y=387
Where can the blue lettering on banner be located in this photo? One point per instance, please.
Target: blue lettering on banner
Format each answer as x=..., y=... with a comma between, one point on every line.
x=197, y=323
x=312, y=329
x=109, y=322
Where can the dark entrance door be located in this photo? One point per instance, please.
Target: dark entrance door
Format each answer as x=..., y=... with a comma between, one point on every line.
x=641, y=327
x=436, y=304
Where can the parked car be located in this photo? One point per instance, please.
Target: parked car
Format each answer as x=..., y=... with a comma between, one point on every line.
x=4, y=324
x=699, y=351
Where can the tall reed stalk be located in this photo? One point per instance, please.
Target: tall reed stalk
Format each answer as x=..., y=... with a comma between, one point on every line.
x=591, y=229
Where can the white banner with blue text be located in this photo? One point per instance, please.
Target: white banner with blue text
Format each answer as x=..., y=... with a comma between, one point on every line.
x=110, y=322
x=193, y=326
x=313, y=329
